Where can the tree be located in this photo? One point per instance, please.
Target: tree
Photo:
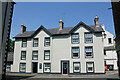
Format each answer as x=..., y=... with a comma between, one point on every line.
x=11, y=45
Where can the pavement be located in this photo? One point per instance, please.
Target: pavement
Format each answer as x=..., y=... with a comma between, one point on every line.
x=110, y=75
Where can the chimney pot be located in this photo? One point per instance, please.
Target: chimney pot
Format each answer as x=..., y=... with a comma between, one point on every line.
x=23, y=28
x=61, y=24
x=96, y=20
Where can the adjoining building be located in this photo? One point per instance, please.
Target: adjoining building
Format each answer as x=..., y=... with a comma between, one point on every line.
x=63, y=50
x=110, y=55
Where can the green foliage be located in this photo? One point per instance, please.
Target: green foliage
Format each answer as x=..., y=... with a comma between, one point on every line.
x=11, y=45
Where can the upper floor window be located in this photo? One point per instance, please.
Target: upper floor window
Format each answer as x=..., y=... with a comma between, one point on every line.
x=35, y=42
x=104, y=52
x=23, y=55
x=47, y=55
x=88, y=37
x=109, y=40
x=75, y=52
x=22, y=67
x=90, y=67
x=47, y=41
x=89, y=52
x=35, y=55
x=75, y=38
x=24, y=42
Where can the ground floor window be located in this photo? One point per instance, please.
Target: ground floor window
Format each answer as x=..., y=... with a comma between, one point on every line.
x=22, y=67
x=76, y=66
x=8, y=67
x=90, y=67
x=47, y=67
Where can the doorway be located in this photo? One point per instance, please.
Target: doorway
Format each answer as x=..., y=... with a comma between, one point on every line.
x=65, y=67
x=34, y=67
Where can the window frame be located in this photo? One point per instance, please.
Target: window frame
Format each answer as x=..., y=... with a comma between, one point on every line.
x=79, y=67
x=24, y=42
x=47, y=55
x=22, y=55
x=44, y=68
x=45, y=41
x=8, y=70
x=76, y=38
x=85, y=37
x=33, y=55
x=20, y=68
x=87, y=67
x=35, y=43
x=92, y=52
x=73, y=53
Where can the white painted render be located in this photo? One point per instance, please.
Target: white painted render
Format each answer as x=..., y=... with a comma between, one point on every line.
x=60, y=49
x=111, y=55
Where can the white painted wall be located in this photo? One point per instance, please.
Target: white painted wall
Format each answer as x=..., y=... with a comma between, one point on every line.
x=60, y=49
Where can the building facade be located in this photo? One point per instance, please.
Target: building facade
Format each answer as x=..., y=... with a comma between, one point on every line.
x=110, y=55
x=63, y=50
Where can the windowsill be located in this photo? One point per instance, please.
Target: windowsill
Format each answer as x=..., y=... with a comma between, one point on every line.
x=75, y=57
x=89, y=57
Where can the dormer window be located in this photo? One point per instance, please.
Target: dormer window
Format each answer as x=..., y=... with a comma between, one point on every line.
x=88, y=37
x=35, y=42
x=109, y=40
x=75, y=38
x=47, y=41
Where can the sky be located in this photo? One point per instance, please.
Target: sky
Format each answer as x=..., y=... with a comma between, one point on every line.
x=48, y=14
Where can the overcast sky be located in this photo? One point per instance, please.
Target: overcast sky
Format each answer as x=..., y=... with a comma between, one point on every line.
x=48, y=14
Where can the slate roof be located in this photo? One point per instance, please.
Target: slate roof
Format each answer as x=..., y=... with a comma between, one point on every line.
x=56, y=31
x=109, y=48
x=10, y=56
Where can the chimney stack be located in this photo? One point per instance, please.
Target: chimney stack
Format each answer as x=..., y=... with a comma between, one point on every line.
x=96, y=20
x=61, y=24
x=23, y=28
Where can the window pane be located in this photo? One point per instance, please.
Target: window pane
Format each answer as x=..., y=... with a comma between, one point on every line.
x=75, y=52
x=90, y=67
x=24, y=42
x=35, y=42
x=89, y=51
x=75, y=38
x=47, y=67
x=47, y=41
x=88, y=37
x=35, y=55
x=23, y=55
x=22, y=67
x=76, y=67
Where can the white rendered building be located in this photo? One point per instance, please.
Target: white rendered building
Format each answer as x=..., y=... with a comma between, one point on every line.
x=63, y=50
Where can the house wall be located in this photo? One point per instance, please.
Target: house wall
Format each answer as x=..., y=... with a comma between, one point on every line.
x=111, y=55
x=60, y=49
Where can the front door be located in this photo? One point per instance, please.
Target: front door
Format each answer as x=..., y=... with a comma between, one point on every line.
x=34, y=67
x=65, y=67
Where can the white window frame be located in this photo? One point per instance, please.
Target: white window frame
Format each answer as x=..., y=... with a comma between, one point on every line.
x=75, y=52
x=74, y=65
x=75, y=38
x=88, y=37
x=47, y=68
x=47, y=41
x=89, y=51
x=33, y=55
x=35, y=43
x=24, y=42
x=48, y=51
x=90, y=65
x=23, y=58
x=22, y=67
x=8, y=67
